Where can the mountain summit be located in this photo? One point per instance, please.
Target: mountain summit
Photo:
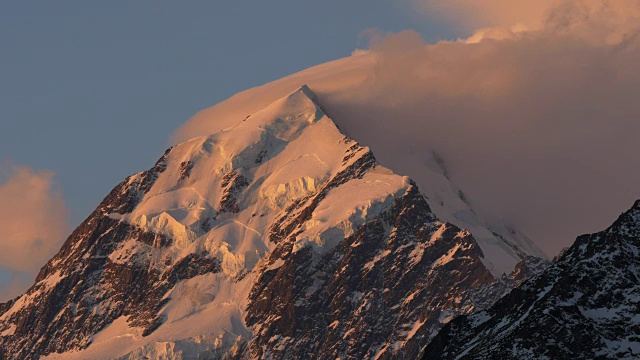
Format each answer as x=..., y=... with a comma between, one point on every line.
x=278, y=237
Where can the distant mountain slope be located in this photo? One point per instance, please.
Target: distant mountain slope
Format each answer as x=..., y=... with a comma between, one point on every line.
x=279, y=237
x=585, y=306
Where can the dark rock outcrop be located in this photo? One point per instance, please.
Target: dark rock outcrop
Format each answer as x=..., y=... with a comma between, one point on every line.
x=382, y=291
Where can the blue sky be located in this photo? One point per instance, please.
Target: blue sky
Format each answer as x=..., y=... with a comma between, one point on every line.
x=92, y=91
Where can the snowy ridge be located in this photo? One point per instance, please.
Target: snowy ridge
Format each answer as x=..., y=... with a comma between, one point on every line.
x=503, y=246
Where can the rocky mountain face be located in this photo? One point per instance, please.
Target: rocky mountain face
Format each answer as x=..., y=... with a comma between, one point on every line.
x=277, y=238
x=88, y=284
x=585, y=306
x=379, y=292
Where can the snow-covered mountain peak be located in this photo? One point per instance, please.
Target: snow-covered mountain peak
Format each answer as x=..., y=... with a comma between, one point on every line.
x=274, y=238
x=265, y=146
x=287, y=116
x=234, y=183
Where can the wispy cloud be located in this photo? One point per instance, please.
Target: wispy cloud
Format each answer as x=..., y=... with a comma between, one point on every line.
x=592, y=15
x=538, y=125
x=33, y=223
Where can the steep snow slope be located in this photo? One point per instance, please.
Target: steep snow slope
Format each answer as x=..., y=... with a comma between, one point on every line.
x=585, y=306
x=278, y=236
x=503, y=245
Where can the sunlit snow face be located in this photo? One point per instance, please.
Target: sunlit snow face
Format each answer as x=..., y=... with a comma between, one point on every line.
x=241, y=180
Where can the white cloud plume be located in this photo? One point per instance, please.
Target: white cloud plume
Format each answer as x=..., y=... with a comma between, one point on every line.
x=33, y=223
x=539, y=127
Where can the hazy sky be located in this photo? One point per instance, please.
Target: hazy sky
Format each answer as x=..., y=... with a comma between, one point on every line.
x=540, y=95
x=92, y=91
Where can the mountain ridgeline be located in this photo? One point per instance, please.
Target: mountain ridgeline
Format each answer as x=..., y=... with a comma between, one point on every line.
x=584, y=306
x=282, y=238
